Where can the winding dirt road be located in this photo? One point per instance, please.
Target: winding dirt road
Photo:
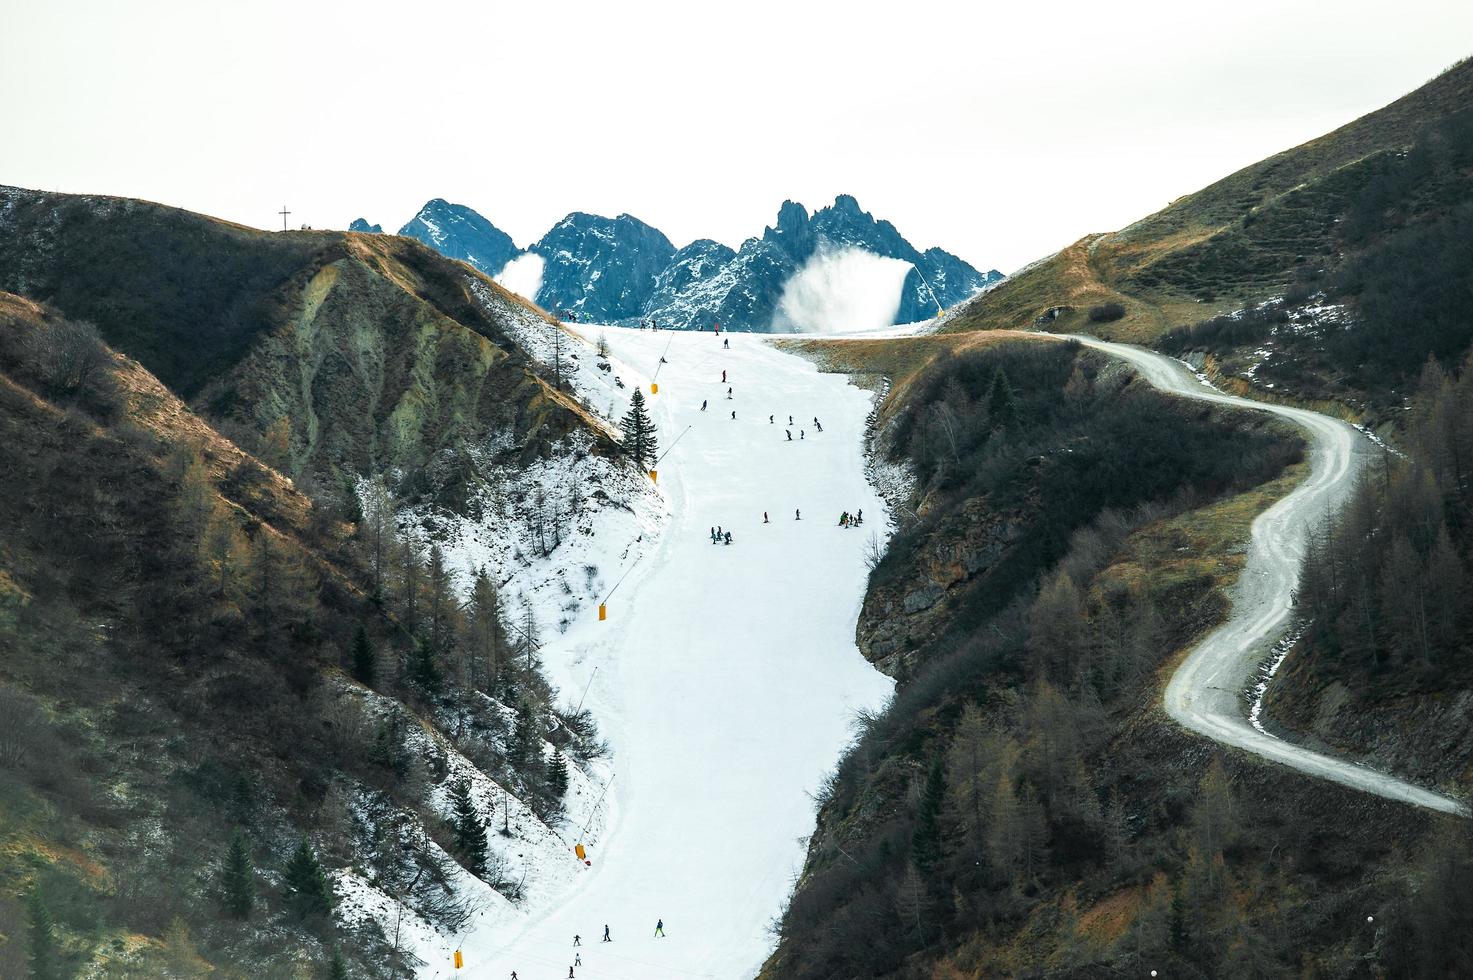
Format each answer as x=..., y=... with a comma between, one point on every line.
x=1205, y=693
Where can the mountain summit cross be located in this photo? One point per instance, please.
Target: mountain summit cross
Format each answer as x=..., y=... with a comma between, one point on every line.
x=283, y=212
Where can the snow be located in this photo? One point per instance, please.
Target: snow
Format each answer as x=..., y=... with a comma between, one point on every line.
x=523, y=274
x=840, y=290
x=725, y=679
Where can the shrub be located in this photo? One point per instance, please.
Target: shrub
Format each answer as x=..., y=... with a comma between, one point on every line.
x=1106, y=312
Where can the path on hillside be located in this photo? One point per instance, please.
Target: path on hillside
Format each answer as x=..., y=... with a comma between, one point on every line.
x=1205, y=693
x=728, y=677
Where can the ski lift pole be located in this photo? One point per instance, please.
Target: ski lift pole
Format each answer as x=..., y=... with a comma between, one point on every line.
x=654, y=383
x=603, y=612
x=586, y=688
x=592, y=813
x=655, y=467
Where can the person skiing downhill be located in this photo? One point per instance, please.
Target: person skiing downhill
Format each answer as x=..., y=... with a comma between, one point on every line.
x=606, y=934
x=660, y=928
x=790, y=420
x=577, y=959
x=764, y=517
x=802, y=434
x=703, y=404
x=570, y=973
x=790, y=434
x=578, y=940
x=733, y=416
x=726, y=344
x=723, y=377
x=728, y=393
x=797, y=514
x=769, y=420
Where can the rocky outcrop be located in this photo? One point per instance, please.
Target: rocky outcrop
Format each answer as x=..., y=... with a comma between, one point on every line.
x=902, y=613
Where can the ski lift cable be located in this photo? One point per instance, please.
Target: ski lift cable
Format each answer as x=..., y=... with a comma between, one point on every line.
x=621, y=580
x=656, y=375
x=672, y=445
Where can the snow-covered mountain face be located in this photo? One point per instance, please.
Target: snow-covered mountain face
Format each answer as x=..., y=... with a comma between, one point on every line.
x=361, y=224
x=601, y=269
x=835, y=269
x=457, y=232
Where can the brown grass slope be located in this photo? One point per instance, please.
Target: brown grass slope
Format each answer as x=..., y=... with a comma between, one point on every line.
x=376, y=350
x=1240, y=238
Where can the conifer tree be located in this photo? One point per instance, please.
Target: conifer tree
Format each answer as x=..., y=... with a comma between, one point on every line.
x=557, y=774
x=470, y=830
x=41, y=933
x=485, y=641
x=426, y=671
x=639, y=433
x=365, y=658
x=925, y=841
x=307, y=891
x=238, y=878
x=1002, y=408
x=337, y=967
x=523, y=735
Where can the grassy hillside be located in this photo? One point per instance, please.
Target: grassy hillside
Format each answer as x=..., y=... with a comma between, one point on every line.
x=1249, y=236
x=353, y=352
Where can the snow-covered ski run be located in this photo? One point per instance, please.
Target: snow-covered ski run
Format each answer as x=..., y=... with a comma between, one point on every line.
x=727, y=675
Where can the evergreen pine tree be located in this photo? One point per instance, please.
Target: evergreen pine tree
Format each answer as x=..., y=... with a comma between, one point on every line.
x=1002, y=407
x=337, y=967
x=925, y=842
x=42, y=935
x=639, y=433
x=238, y=878
x=557, y=774
x=307, y=891
x=523, y=736
x=426, y=672
x=365, y=658
x=470, y=831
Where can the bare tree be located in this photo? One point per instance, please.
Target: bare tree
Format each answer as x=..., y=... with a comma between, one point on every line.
x=70, y=356
x=874, y=551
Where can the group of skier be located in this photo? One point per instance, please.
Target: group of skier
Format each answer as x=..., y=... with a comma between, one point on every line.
x=855, y=519
x=578, y=943
x=722, y=537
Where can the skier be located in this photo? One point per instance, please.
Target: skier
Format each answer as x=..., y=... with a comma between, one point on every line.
x=733, y=416
x=726, y=344
x=578, y=940
x=723, y=377
x=861, y=517
x=769, y=420
x=802, y=434
x=703, y=404
x=728, y=393
x=797, y=514
x=570, y=973
x=790, y=420
x=577, y=959
x=660, y=928
x=790, y=434
x=514, y=975
x=844, y=519
x=764, y=517
x=606, y=934
x=728, y=537
x=817, y=424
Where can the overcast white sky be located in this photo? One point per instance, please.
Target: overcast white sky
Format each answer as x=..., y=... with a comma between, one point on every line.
x=998, y=131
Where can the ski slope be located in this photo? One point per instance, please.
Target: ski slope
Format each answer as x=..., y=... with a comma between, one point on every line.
x=727, y=677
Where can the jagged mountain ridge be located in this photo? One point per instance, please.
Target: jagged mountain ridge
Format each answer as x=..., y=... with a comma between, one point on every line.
x=622, y=270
